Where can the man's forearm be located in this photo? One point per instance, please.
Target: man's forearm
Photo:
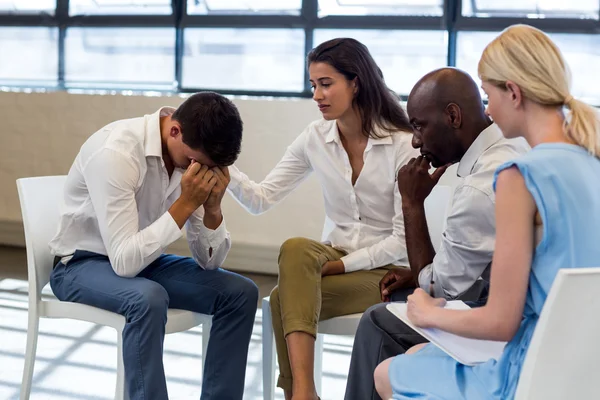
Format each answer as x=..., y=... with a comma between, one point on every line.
x=212, y=218
x=418, y=243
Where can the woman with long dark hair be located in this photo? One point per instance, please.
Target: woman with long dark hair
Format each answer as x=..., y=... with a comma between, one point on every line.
x=355, y=150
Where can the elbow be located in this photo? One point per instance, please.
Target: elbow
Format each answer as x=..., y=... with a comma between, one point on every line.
x=505, y=330
x=258, y=210
x=122, y=265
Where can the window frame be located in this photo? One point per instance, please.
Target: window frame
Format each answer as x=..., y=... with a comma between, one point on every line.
x=452, y=21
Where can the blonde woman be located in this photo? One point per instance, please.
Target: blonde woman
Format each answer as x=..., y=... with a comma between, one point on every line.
x=547, y=218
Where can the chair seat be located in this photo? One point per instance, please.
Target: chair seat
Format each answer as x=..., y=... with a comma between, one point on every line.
x=343, y=325
x=177, y=320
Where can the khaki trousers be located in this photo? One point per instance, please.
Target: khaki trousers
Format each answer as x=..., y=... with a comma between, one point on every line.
x=303, y=297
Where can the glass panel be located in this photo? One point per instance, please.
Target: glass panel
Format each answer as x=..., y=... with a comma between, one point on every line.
x=531, y=8
x=581, y=51
x=380, y=7
x=34, y=59
x=277, y=7
x=403, y=56
x=27, y=6
x=119, y=7
x=120, y=57
x=244, y=59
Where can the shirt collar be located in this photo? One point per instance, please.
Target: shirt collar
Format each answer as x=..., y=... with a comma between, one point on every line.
x=334, y=136
x=153, y=141
x=486, y=139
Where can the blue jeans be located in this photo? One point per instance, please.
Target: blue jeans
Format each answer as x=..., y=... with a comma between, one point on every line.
x=176, y=282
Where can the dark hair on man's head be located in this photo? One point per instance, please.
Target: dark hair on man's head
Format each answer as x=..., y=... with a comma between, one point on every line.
x=377, y=104
x=211, y=123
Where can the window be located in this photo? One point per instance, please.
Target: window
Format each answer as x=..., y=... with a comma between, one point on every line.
x=259, y=47
x=120, y=57
x=278, y=7
x=33, y=56
x=380, y=7
x=403, y=56
x=119, y=7
x=27, y=6
x=531, y=8
x=244, y=59
x=582, y=53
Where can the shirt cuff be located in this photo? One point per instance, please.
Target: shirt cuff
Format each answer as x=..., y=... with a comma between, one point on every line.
x=235, y=177
x=169, y=230
x=212, y=238
x=425, y=277
x=357, y=260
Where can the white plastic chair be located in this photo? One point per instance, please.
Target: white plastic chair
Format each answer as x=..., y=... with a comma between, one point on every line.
x=436, y=209
x=40, y=198
x=562, y=359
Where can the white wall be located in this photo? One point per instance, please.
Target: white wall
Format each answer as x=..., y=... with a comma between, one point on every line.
x=42, y=133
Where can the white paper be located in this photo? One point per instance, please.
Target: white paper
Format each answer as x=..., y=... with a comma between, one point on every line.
x=464, y=350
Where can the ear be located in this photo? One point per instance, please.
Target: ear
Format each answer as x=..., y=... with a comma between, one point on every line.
x=175, y=129
x=514, y=93
x=454, y=115
x=355, y=85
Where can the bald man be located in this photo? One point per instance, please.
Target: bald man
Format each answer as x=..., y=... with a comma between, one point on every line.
x=450, y=125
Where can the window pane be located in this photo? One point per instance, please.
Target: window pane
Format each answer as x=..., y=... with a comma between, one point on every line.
x=532, y=8
x=35, y=56
x=581, y=51
x=27, y=6
x=380, y=7
x=244, y=59
x=120, y=57
x=403, y=56
x=119, y=7
x=278, y=7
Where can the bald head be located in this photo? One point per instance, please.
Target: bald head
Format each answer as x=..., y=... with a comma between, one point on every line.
x=448, y=85
x=447, y=112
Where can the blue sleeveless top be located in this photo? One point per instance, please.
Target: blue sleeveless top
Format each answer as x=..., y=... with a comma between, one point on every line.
x=564, y=182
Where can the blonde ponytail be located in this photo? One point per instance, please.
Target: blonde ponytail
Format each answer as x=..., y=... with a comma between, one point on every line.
x=582, y=125
x=528, y=57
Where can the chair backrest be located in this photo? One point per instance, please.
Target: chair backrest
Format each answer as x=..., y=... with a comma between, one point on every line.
x=561, y=362
x=40, y=199
x=437, y=205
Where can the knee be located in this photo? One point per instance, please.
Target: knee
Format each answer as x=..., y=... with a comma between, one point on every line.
x=244, y=293
x=365, y=325
x=294, y=248
x=368, y=321
x=250, y=291
x=382, y=380
x=152, y=301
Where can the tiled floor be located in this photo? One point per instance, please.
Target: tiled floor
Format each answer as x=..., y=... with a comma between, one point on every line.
x=77, y=360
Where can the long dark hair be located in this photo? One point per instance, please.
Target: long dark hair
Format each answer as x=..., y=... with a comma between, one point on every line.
x=377, y=104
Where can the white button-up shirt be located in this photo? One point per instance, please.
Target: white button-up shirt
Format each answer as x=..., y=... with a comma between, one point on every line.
x=468, y=241
x=364, y=220
x=117, y=198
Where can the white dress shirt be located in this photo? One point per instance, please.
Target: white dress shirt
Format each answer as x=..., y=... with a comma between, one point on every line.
x=468, y=241
x=364, y=220
x=117, y=198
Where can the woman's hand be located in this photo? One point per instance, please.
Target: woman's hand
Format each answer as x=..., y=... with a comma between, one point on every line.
x=421, y=306
x=333, y=268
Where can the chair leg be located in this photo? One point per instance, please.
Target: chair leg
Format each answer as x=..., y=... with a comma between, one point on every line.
x=33, y=327
x=319, y=362
x=206, y=327
x=120, y=390
x=268, y=348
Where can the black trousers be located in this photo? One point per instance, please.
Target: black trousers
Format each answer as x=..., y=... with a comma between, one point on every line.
x=382, y=335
